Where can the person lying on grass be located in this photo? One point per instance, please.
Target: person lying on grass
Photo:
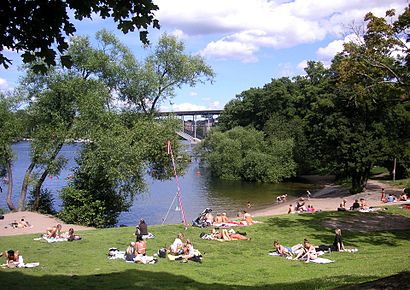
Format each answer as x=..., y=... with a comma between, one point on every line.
x=226, y=235
x=54, y=232
x=12, y=258
x=308, y=252
x=281, y=250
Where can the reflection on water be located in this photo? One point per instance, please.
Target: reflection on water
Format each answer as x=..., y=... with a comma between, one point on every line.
x=198, y=190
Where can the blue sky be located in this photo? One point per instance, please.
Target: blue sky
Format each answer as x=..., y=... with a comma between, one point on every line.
x=246, y=42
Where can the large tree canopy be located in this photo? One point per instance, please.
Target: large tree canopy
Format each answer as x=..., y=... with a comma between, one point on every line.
x=34, y=27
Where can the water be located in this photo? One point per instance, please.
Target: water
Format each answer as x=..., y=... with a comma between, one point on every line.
x=198, y=190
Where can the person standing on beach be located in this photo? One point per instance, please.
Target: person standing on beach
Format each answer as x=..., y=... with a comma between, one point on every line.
x=382, y=195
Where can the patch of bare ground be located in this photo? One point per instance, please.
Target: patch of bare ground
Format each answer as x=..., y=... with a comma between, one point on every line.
x=369, y=222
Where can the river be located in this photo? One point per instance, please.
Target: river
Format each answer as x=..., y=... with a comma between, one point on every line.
x=198, y=191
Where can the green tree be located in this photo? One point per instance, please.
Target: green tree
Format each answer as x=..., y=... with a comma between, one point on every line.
x=34, y=27
x=11, y=129
x=244, y=154
x=365, y=121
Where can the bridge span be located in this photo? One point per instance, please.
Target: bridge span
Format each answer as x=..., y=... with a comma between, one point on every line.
x=194, y=130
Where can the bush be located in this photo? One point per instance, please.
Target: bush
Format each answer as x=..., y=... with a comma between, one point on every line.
x=46, y=202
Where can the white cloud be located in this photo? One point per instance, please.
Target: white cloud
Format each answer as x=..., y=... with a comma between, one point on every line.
x=302, y=65
x=4, y=85
x=239, y=28
x=178, y=33
x=327, y=53
x=193, y=94
x=187, y=107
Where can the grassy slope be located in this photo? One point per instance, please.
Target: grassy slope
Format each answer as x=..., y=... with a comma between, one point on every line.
x=226, y=265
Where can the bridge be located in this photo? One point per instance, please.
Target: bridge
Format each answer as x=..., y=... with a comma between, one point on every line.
x=195, y=130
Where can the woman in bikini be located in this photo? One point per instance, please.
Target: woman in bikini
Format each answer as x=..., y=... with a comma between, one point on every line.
x=281, y=250
x=54, y=232
x=308, y=252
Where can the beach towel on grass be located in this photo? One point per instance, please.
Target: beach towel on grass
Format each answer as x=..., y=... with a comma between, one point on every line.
x=50, y=240
x=322, y=261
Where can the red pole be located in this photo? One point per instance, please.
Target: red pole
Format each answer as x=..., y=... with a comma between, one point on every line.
x=169, y=150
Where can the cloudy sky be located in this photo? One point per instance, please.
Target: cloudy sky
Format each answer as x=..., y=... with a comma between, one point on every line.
x=247, y=43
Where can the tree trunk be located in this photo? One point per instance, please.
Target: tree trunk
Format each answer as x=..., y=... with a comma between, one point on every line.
x=24, y=187
x=9, y=186
x=36, y=191
x=359, y=180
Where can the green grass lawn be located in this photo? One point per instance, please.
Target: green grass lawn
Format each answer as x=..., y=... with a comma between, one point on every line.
x=226, y=265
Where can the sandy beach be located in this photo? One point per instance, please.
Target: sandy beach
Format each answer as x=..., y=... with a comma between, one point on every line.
x=39, y=222
x=330, y=196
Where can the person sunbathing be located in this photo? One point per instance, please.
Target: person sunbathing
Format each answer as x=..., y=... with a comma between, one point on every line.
x=12, y=257
x=308, y=252
x=177, y=247
x=218, y=219
x=54, y=232
x=403, y=196
x=363, y=204
x=226, y=235
x=189, y=251
x=246, y=218
x=281, y=250
x=70, y=236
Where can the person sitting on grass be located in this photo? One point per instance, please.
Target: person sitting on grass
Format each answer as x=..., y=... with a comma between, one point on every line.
x=130, y=252
x=281, y=250
x=338, y=242
x=177, y=247
x=54, y=232
x=70, y=236
x=142, y=228
x=308, y=252
x=190, y=253
x=141, y=251
x=246, y=218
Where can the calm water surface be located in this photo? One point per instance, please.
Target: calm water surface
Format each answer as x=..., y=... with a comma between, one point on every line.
x=198, y=190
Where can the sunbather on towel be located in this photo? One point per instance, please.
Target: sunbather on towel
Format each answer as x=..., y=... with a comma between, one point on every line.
x=12, y=258
x=54, y=232
x=246, y=218
x=308, y=252
x=281, y=250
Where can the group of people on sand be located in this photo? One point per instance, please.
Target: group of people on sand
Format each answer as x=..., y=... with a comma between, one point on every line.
x=21, y=224
x=307, y=251
x=301, y=207
x=392, y=198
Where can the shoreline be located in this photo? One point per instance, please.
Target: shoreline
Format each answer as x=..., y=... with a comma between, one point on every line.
x=327, y=198
x=330, y=196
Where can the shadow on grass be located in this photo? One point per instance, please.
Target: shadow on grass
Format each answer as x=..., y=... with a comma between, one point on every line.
x=17, y=279
x=372, y=228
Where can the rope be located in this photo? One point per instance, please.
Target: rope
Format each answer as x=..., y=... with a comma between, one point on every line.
x=166, y=216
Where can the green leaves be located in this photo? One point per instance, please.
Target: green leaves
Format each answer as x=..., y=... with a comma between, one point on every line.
x=244, y=154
